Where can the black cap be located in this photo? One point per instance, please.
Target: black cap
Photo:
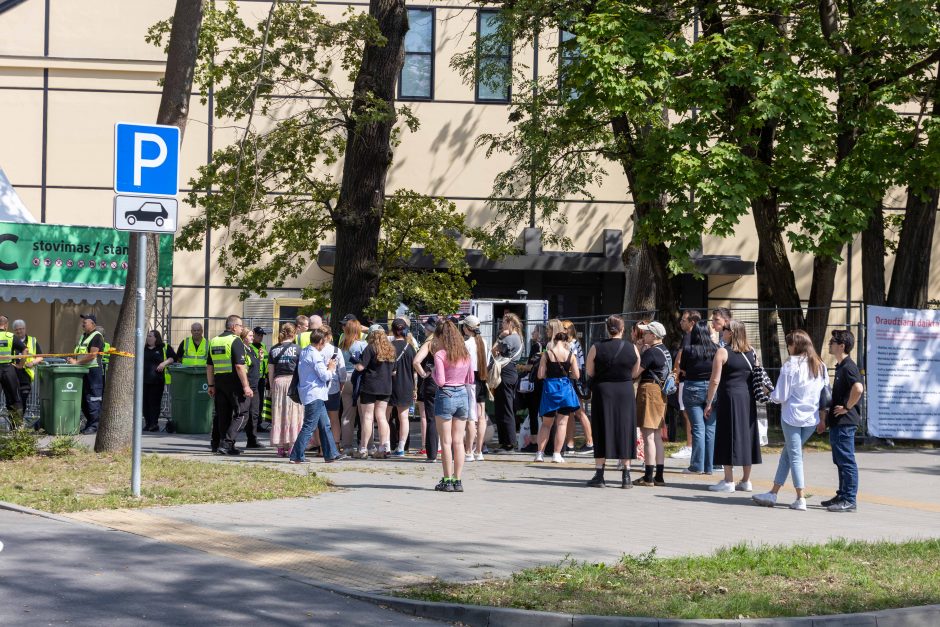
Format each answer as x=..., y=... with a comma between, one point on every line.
x=261, y=331
x=89, y=317
x=348, y=317
x=399, y=325
x=431, y=322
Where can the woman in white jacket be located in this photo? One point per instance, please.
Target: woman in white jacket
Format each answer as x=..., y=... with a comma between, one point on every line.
x=798, y=390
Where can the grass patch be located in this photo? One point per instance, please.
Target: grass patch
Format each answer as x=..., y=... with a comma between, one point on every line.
x=85, y=480
x=803, y=580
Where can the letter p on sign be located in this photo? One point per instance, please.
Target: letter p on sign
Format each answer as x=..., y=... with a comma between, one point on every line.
x=146, y=159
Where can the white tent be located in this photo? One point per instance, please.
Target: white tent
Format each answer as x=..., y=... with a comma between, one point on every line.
x=12, y=208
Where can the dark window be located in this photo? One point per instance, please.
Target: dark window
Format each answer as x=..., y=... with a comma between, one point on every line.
x=567, y=53
x=494, y=59
x=417, y=73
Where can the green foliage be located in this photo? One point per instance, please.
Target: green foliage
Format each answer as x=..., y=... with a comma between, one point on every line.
x=20, y=443
x=272, y=197
x=63, y=446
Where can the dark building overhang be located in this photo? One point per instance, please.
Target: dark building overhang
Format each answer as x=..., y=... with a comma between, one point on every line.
x=534, y=259
x=6, y=5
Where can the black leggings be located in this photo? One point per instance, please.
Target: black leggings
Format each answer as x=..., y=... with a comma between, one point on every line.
x=153, y=398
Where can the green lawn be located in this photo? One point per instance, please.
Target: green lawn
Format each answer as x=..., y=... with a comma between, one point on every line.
x=838, y=577
x=85, y=480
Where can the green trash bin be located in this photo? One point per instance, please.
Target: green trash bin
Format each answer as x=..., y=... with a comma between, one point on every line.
x=60, y=397
x=191, y=406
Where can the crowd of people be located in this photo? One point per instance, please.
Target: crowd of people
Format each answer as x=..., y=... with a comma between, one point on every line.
x=374, y=377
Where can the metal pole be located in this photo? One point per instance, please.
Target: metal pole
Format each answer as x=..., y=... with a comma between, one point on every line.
x=139, y=360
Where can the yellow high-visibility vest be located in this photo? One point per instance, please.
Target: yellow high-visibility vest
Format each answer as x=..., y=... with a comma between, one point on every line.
x=220, y=347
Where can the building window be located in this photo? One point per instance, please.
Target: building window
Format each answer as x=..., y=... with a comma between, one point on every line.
x=494, y=59
x=417, y=73
x=567, y=53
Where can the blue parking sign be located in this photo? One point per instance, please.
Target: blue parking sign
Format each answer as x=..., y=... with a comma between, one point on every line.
x=146, y=159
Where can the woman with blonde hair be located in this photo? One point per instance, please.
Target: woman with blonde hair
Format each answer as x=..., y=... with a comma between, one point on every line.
x=557, y=367
x=286, y=416
x=506, y=350
x=351, y=344
x=798, y=389
x=476, y=429
x=737, y=442
x=453, y=373
x=376, y=388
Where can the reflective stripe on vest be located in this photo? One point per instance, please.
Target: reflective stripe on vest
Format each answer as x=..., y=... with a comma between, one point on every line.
x=194, y=355
x=31, y=349
x=82, y=347
x=6, y=347
x=220, y=347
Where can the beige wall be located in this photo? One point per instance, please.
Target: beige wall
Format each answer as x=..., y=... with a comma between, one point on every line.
x=100, y=71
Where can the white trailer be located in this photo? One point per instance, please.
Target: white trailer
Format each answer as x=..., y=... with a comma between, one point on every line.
x=490, y=311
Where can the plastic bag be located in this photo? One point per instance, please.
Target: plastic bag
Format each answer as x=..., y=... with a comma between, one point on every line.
x=525, y=434
x=762, y=431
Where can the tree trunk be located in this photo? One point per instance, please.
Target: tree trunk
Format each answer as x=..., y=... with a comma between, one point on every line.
x=873, y=258
x=777, y=275
x=768, y=328
x=820, y=299
x=117, y=412
x=639, y=292
x=912, y=261
x=358, y=213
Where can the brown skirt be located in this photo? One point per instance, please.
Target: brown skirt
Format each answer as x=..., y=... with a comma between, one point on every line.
x=650, y=406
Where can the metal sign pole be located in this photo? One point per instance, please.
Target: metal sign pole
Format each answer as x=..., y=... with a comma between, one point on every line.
x=139, y=360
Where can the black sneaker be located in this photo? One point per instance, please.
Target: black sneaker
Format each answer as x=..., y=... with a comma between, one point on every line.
x=531, y=448
x=255, y=444
x=569, y=450
x=457, y=486
x=831, y=501
x=586, y=450
x=444, y=485
x=842, y=506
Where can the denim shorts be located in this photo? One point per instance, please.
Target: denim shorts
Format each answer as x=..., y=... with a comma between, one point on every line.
x=451, y=402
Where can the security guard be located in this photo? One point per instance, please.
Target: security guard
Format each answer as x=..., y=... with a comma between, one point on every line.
x=9, y=346
x=303, y=339
x=193, y=350
x=253, y=366
x=89, y=350
x=262, y=400
x=26, y=368
x=227, y=376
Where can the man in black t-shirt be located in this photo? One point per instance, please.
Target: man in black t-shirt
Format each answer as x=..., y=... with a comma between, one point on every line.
x=843, y=421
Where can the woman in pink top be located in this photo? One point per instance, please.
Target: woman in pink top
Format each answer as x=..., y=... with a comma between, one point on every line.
x=452, y=373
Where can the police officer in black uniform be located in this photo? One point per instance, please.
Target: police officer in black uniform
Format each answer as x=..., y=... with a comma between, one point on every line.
x=227, y=376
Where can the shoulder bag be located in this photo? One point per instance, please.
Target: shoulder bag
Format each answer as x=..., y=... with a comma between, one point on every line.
x=761, y=385
x=667, y=385
x=494, y=378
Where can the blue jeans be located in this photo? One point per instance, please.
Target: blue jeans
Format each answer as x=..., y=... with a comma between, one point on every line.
x=315, y=417
x=703, y=431
x=842, y=440
x=791, y=457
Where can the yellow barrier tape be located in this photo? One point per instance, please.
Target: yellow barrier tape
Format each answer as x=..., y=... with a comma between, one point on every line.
x=113, y=352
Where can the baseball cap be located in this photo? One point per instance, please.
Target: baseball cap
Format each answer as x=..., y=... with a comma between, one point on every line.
x=471, y=322
x=654, y=327
x=89, y=316
x=348, y=317
x=376, y=327
x=431, y=322
x=261, y=331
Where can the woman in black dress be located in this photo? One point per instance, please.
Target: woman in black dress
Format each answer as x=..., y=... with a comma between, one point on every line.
x=737, y=442
x=375, y=390
x=403, y=383
x=612, y=365
x=157, y=356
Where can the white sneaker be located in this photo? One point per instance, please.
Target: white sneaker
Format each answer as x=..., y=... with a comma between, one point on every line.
x=722, y=486
x=799, y=504
x=689, y=471
x=558, y=459
x=743, y=486
x=469, y=457
x=683, y=453
x=619, y=465
x=767, y=499
x=539, y=458
x=479, y=457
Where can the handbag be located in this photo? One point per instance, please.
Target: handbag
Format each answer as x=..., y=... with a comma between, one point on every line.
x=293, y=388
x=494, y=378
x=761, y=384
x=825, y=394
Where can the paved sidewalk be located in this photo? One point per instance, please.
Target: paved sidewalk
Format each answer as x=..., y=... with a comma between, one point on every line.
x=515, y=514
x=59, y=572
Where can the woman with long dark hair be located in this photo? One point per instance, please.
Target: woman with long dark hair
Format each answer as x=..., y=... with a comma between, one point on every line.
x=453, y=372
x=612, y=364
x=157, y=356
x=798, y=390
x=695, y=362
x=737, y=442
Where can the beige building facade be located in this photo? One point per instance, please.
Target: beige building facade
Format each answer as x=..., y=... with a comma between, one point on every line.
x=71, y=69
